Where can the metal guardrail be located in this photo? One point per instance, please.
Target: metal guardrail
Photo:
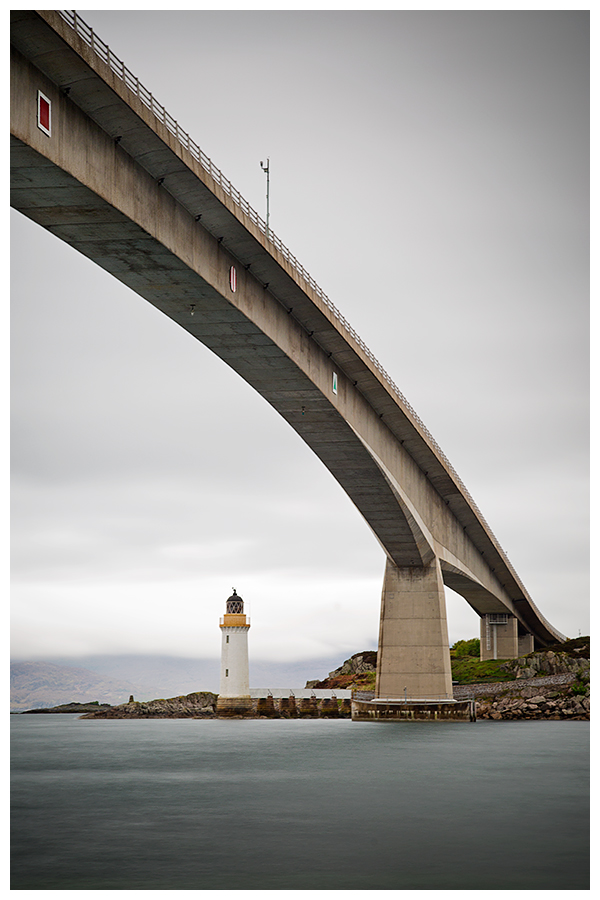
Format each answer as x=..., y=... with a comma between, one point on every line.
x=103, y=51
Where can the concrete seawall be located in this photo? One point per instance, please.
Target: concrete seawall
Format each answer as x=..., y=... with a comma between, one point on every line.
x=301, y=708
x=413, y=710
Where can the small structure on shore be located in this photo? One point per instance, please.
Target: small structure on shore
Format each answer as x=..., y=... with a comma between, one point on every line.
x=234, y=693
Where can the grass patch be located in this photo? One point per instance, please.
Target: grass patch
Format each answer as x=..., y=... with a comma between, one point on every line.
x=581, y=684
x=577, y=648
x=468, y=670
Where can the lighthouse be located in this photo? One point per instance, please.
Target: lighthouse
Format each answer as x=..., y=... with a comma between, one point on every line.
x=234, y=694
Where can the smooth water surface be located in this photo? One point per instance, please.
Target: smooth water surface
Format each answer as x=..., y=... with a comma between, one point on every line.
x=293, y=805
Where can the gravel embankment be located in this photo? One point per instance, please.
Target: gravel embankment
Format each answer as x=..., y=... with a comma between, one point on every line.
x=524, y=687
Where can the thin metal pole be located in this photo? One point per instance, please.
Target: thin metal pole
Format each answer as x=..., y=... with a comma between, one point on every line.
x=266, y=170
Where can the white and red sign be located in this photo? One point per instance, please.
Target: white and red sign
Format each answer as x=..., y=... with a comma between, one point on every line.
x=233, y=279
x=44, y=110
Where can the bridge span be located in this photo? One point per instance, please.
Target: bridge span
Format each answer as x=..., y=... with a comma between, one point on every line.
x=100, y=164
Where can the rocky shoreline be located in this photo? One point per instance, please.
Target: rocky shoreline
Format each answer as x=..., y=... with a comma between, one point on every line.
x=544, y=697
x=551, y=684
x=203, y=705
x=199, y=705
x=546, y=684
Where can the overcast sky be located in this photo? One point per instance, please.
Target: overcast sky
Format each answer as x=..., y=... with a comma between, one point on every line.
x=430, y=170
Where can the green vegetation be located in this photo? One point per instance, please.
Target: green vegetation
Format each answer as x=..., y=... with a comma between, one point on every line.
x=581, y=685
x=468, y=670
x=465, y=648
x=576, y=648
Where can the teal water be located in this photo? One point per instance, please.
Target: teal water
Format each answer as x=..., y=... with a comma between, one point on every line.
x=188, y=804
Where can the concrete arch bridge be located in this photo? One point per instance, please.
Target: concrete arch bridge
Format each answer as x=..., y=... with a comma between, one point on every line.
x=99, y=163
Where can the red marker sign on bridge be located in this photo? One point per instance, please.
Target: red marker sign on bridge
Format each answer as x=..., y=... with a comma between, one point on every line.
x=43, y=113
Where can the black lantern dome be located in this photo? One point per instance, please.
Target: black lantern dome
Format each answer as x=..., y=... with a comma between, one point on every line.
x=234, y=604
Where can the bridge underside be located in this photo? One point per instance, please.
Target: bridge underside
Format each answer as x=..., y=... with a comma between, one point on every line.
x=103, y=200
x=134, y=257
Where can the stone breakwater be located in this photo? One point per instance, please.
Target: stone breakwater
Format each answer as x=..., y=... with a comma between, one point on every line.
x=546, y=697
x=203, y=705
x=301, y=708
x=293, y=708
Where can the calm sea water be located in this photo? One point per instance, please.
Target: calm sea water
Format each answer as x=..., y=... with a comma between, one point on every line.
x=298, y=805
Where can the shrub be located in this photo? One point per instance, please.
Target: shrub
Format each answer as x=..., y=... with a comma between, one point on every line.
x=581, y=683
x=466, y=648
x=578, y=688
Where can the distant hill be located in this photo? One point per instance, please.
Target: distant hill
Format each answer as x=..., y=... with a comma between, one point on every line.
x=36, y=685
x=112, y=679
x=153, y=676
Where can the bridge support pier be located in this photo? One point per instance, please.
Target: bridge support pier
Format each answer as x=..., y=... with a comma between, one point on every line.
x=414, y=656
x=500, y=637
x=525, y=644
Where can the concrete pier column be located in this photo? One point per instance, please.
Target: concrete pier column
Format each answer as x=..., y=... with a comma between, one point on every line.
x=414, y=655
x=500, y=637
x=525, y=644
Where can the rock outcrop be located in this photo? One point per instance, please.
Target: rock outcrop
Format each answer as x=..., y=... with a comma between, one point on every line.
x=358, y=672
x=548, y=662
x=200, y=705
x=357, y=664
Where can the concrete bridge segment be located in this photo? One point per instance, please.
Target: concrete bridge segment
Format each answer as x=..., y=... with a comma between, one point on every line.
x=117, y=179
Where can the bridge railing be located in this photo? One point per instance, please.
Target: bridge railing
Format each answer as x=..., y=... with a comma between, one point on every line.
x=131, y=81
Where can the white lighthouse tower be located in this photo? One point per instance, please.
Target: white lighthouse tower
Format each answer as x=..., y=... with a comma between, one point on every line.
x=234, y=694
